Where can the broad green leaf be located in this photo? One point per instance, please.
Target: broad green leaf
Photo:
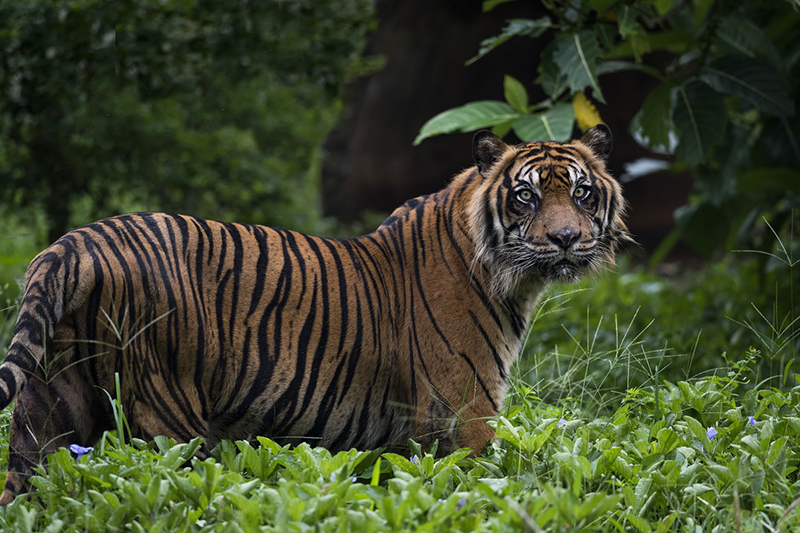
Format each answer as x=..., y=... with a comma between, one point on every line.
x=514, y=28
x=633, y=32
x=609, y=67
x=698, y=489
x=761, y=183
x=553, y=125
x=402, y=463
x=663, y=6
x=700, y=117
x=469, y=117
x=697, y=429
x=576, y=56
x=756, y=81
x=675, y=41
x=701, y=9
x=501, y=130
x=551, y=77
x=653, y=119
x=601, y=6
x=515, y=94
x=642, y=489
x=451, y=459
x=488, y=5
x=744, y=37
x=638, y=522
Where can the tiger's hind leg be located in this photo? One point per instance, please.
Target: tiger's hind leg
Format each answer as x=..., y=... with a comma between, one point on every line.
x=56, y=408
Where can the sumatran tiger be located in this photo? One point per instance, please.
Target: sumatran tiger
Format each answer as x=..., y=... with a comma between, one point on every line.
x=229, y=331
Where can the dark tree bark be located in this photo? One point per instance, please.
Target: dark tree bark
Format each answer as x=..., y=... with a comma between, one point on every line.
x=370, y=162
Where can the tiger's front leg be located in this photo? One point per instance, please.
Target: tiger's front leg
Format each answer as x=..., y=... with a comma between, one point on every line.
x=459, y=422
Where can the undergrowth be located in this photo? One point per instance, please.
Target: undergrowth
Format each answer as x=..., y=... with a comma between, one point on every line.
x=641, y=402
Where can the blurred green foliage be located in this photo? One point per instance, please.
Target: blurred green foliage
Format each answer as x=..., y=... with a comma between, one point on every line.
x=210, y=107
x=724, y=106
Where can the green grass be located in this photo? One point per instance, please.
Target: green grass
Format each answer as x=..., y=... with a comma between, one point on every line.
x=629, y=410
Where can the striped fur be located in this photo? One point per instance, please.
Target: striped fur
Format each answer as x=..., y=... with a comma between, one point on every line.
x=231, y=331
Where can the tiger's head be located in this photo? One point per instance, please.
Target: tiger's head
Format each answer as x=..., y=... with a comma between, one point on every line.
x=544, y=211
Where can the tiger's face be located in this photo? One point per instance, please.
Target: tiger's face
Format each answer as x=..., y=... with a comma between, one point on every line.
x=545, y=211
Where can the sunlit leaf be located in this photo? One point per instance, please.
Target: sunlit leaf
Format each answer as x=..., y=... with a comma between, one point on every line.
x=469, y=117
x=515, y=94
x=586, y=114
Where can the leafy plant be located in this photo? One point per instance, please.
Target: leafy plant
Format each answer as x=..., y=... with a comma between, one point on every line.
x=723, y=108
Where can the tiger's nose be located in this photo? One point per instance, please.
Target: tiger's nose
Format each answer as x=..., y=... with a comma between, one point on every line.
x=565, y=237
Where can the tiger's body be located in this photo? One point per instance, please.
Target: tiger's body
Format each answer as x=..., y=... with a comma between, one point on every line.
x=231, y=331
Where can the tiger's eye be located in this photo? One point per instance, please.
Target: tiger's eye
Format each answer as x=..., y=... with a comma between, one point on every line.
x=525, y=195
x=581, y=192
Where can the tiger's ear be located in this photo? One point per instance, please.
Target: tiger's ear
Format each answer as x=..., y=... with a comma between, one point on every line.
x=599, y=140
x=487, y=149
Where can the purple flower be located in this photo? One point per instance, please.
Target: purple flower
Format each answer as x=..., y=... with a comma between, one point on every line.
x=711, y=432
x=461, y=503
x=354, y=479
x=562, y=421
x=751, y=420
x=415, y=459
x=79, y=450
x=440, y=500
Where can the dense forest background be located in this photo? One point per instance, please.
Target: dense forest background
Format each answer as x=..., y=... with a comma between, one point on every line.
x=324, y=116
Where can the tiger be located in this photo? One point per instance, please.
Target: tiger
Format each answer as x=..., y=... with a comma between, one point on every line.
x=232, y=331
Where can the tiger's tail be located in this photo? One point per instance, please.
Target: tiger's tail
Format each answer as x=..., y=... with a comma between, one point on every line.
x=42, y=308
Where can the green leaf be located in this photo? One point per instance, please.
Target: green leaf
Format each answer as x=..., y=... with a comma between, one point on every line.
x=653, y=120
x=700, y=117
x=675, y=41
x=515, y=94
x=701, y=9
x=576, y=56
x=698, y=489
x=697, y=429
x=744, y=37
x=488, y=5
x=514, y=28
x=763, y=182
x=555, y=124
x=551, y=78
x=402, y=463
x=638, y=522
x=756, y=81
x=469, y=117
x=601, y=6
x=376, y=473
x=451, y=459
x=610, y=67
x=663, y=6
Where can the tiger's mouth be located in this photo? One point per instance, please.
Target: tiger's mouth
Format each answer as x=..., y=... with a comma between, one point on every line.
x=563, y=270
